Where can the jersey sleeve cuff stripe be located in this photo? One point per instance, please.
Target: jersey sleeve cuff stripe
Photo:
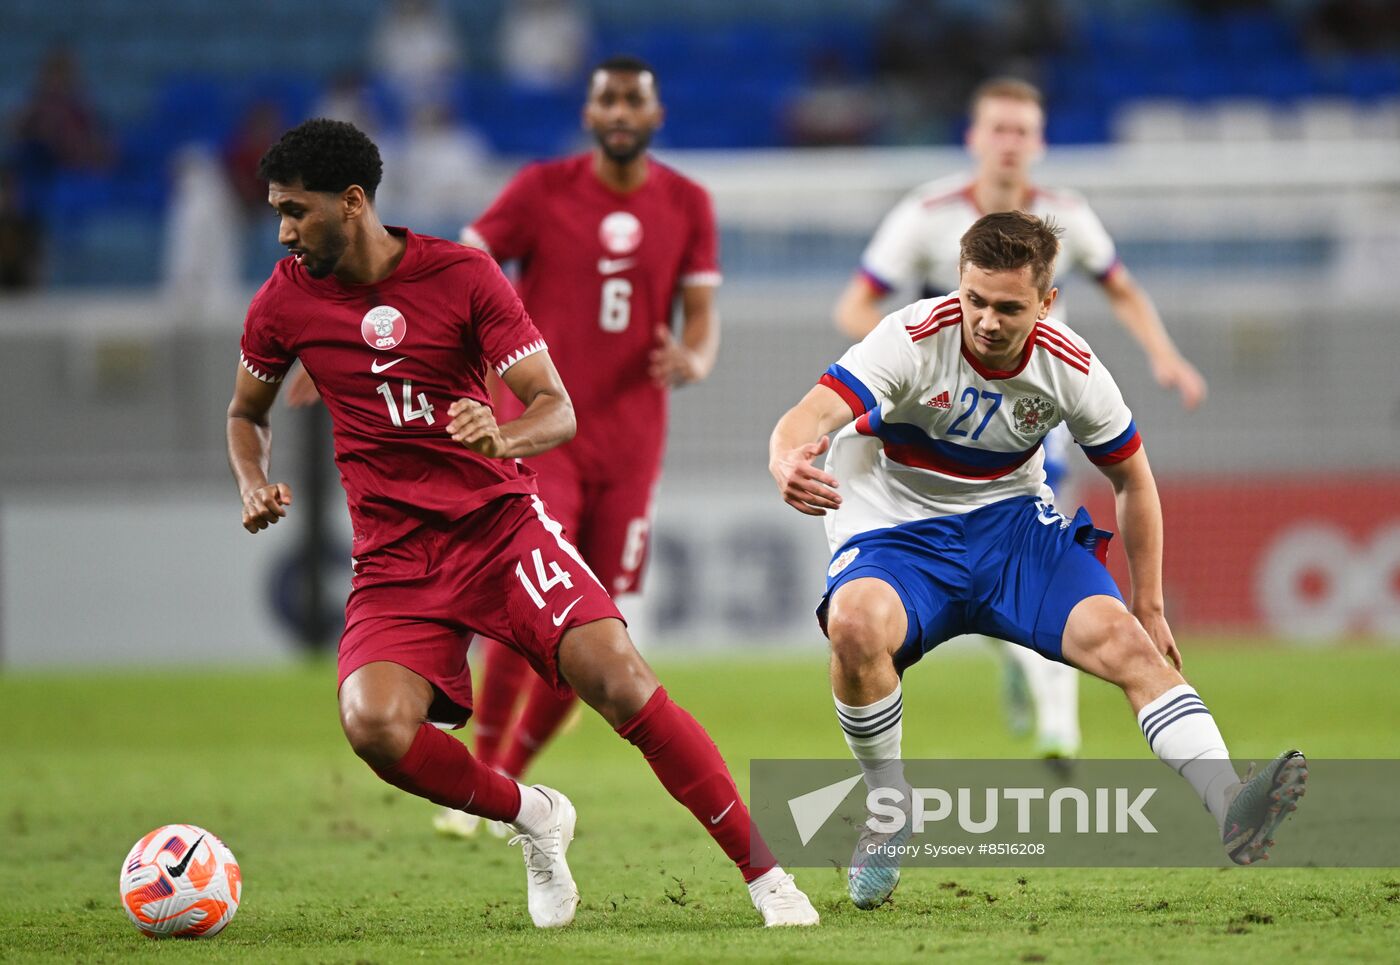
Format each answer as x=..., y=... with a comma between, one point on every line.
x=474, y=239
x=1117, y=449
x=847, y=396
x=710, y=278
x=258, y=373
x=853, y=390
x=876, y=282
x=1107, y=273
x=520, y=353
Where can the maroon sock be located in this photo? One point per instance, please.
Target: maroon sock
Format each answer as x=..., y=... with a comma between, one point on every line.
x=544, y=712
x=440, y=768
x=690, y=767
x=504, y=674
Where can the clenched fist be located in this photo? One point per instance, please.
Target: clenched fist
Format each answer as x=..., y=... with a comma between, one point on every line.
x=265, y=505
x=474, y=426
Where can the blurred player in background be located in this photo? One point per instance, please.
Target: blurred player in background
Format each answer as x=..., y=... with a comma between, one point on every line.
x=940, y=524
x=607, y=242
x=916, y=247
x=398, y=331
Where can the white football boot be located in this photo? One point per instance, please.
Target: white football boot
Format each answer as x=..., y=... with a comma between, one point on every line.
x=553, y=896
x=780, y=901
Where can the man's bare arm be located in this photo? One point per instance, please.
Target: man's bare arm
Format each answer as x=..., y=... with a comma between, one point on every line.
x=1140, y=520
x=1136, y=313
x=857, y=311
x=548, y=419
x=799, y=437
x=691, y=357
x=250, y=452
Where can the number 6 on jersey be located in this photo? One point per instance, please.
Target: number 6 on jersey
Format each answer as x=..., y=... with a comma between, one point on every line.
x=615, y=313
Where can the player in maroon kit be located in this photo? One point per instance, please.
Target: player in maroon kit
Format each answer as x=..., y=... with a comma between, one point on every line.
x=607, y=242
x=398, y=331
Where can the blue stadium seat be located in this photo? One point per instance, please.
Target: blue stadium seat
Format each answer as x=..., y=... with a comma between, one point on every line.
x=1372, y=77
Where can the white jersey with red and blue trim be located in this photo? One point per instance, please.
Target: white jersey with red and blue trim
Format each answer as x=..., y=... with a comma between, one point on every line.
x=936, y=433
x=916, y=246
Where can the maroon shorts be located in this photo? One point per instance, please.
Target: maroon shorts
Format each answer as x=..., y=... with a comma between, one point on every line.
x=609, y=520
x=504, y=571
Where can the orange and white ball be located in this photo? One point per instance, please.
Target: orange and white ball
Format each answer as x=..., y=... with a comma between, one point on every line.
x=180, y=880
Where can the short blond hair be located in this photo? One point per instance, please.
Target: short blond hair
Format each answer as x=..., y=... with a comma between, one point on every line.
x=1007, y=88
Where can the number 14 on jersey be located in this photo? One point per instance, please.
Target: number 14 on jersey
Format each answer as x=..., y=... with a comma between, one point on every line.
x=544, y=581
x=423, y=411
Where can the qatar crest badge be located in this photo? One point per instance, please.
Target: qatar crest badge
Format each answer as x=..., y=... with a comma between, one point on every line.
x=620, y=233
x=383, y=327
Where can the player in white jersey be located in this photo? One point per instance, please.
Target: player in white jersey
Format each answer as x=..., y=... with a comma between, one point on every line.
x=939, y=522
x=916, y=248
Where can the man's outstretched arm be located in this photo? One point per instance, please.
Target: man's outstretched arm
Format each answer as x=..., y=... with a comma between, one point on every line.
x=857, y=311
x=1140, y=521
x=690, y=358
x=1136, y=313
x=250, y=452
x=799, y=437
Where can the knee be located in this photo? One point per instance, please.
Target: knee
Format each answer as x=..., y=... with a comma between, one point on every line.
x=380, y=734
x=1124, y=649
x=864, y=626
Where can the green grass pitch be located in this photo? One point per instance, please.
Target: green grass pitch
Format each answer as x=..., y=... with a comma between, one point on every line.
x=341, y=868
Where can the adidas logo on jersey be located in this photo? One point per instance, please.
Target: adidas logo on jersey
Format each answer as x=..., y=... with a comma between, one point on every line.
x=940, y=401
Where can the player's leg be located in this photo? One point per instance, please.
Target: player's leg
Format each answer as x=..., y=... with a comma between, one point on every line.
x=1017, y=703
x=505, y=675
x=400, y=675
x=384, y=713
x=1053, y=594
x=505, y=678
x=530, y=585
x=1104, y=639
x=1041, y=692
x=1052, y=691
x=890, y=596
x=867, y=624
x=505, y=739
x=599, y=661
x=610, y=530
x=561, y=485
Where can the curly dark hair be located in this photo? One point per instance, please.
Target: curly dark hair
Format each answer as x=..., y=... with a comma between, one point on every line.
x=324, y=155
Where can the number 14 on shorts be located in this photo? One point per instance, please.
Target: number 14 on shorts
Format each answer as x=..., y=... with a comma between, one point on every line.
x=545, y=579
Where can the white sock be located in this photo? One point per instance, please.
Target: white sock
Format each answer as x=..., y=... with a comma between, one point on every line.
x=535, y=810
x=765, y=881
x=873, y=734
x=1054, y=688
x=1182, y=732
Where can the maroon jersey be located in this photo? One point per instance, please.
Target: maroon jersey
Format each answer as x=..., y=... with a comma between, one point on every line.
x=388, y=359
x=599, y=272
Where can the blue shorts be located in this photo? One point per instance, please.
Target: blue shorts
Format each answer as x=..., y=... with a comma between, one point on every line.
x=1012, y=570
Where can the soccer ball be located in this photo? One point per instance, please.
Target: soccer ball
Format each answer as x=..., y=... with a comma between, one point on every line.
x=180, y=880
